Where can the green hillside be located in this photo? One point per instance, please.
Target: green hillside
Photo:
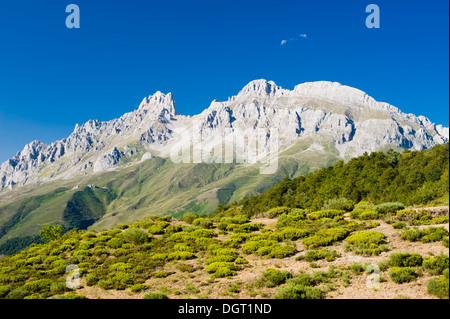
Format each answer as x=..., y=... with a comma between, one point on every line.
x=153, y=187
x=409, y=177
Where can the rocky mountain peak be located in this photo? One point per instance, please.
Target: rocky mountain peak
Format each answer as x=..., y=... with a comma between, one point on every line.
x=159, y=103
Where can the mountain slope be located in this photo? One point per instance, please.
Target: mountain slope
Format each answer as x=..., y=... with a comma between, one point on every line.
x=155, y=161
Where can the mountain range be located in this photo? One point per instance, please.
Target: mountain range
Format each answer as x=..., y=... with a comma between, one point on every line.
x=154, y=160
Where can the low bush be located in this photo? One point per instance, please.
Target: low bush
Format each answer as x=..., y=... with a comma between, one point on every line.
x=139, y=287
x=356, y=268
x=326, y=214
x=39, y=285
x=399, y=225
x=326, y=237
x=282, y=251
x=173, y=229
x=277, y=277
x=439, y=286
x=160, y=274
x=120, y=280
x=222, y=269
x=405, y=260
x=314, y=255
x=388, y=208
x=426, y=235
x=156, y=230
x=155, y=295
x=294, y=291
x=295, y=217
x=436, y=265
x=241, y=261
x=189, y=217
x=222, y=258
x=445, y=242
x=288, y=233
x=401, y=275
x=276, y=211
x=115, y=243
x=251, y=247
x=341, y=203
x=367, y=243
x=136, y=236
x=180, y=255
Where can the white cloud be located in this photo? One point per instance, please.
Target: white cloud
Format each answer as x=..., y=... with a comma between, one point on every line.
x=295, y=37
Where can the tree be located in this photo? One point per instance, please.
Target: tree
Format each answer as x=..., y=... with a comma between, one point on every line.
x=49, y=232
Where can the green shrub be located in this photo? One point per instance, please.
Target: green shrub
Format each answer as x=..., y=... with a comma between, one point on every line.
x=401, y=275
x=282, y=251
x=326, y=214
x=439, y=286
x=159, y=256
x=204, y=233
x=120, y=266
x=314, y=255
x=189, y=217
x=222, y=269
x=356, y=268
x=160, y=274
x=135, y=235
x=222, y=258
x=171, y=229
x=276, y=211
x=399, y=225
x=241, y=261
x=162, y=223
x=248, y=227
x=251, y=247
x=224, y=251
x=303, y=280
x=120, y=280
x=341, y=203
x=426, y=235
x=367, y=242
x=155, y=295
x=405, y=214
x=17, y=293
x=39, y=285
x=180, y=255
x=122, y=226
x=289, y=233
x=277, y=277
x=182, y=247
x=326, y=237
x=139, y=287
x=388, y=208
x=156, y=230
x=294, y=291
x=436, y=265
x=405, y=260
x=80, y=252
x=295, y=217
x=445, y=242
x=72, y=295
x=115, y=243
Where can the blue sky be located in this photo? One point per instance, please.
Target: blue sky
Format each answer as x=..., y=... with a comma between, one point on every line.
x=52, y=77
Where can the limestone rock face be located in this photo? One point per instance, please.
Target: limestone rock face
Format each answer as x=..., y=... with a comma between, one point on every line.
x=326, y=112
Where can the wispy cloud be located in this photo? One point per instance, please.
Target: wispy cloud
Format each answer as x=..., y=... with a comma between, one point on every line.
x=295, y=37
